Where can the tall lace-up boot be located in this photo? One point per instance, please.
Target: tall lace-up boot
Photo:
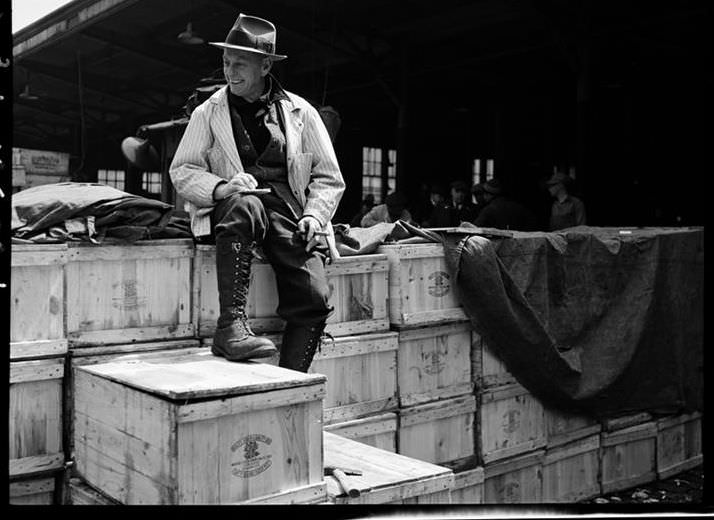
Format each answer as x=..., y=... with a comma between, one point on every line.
x=299, y=345
x=233, y=339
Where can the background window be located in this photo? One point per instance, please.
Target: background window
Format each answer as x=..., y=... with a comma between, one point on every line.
x=373, y=181
x=113, y=178
x=151, y=182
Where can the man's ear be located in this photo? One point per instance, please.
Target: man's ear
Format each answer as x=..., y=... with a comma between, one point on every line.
x=267, y=65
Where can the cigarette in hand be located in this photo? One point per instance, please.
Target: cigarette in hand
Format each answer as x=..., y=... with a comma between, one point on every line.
x=256, y=191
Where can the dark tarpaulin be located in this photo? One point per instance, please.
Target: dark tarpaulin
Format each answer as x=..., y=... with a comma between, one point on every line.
x=588, y=318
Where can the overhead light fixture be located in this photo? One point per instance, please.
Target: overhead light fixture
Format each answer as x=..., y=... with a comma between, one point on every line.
x=27, y=95
x=189, y=37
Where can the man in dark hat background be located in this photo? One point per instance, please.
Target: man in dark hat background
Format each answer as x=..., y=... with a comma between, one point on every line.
x=502, y=212
x=567, y=210
x=253, y=134
x=463, y=209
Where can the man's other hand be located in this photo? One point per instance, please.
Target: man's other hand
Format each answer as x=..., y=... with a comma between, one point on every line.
x=309, y=227
x=240, y=182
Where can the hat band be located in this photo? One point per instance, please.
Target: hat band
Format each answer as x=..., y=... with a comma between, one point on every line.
x=244, y=39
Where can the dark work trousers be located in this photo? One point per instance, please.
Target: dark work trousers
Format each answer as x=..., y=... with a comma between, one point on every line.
x=267, y=220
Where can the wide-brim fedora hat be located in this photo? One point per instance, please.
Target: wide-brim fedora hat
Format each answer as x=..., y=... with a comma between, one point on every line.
x=559, y=178
x=252, y=34
x=493, y=187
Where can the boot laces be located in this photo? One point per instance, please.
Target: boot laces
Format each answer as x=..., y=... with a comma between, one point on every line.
x=241, y=279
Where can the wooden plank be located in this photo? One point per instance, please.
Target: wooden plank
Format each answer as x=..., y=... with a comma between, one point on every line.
x=129, y=334
x=182, y=376
x=632, y=433
x=679, y=444
x=264, y=400
x=36, y=370
x=107, y=352
x=22, y=350
x=359, y=409
x=434, y=363
x=82, y=494
x=628, y=457
x=436, y=410
x=612, y=424
x=36, y=464
x=442, y=497
x=435, y=317
x=358, y=345
x=310, y=494
x=38, y=255
x=137, y=251
x=570, y=472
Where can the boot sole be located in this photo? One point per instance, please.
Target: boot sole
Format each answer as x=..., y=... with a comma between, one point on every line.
x=258, y=353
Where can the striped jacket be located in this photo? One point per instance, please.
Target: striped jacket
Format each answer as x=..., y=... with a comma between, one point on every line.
x=207, y=153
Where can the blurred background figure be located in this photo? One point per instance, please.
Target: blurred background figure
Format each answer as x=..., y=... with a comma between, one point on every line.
x=463, y=209
x=502, y=212
x=477, y=197
x=367, y=204
x=567, y=210
x=440, y=212
x=393, y=209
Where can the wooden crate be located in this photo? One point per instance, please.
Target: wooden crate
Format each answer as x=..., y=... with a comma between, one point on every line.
x=468, y=487
x=35, y=416
x=439, y=432
x=358, y=293
x=570, y=471
x=511, y=421
x=174, y=428
x=379, y=431
x=679, y=444
x=37, y=302
x=82, y=494
x=434, y=363
x=517, y=480
x=361, y=375
x=563, y=427
x=121, y=294
x=38, y=491
x=628, y=457
x=421, y=291
x=487, y=368
x=387, y=478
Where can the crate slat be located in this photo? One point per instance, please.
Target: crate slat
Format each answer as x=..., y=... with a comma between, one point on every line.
x=679, y=444
x=628, y=457
x=570, y=471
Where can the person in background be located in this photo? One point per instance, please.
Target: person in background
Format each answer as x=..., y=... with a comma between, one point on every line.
x=440, y=212
x=502, y=212
x=393, y=209
x=567, y=210
x=477, y=198
x=253, y=135
x=463, y=209
x=367, y=204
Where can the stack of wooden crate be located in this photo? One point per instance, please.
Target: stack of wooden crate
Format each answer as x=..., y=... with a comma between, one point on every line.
x=360, y=362
x=435, y=391
x=38, y=348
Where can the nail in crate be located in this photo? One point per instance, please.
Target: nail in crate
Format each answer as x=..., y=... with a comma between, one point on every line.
x=171, y=428
x=35, y=416
x=37, y=302
x=379, y=431
x=358, y=293
x=570, y=471
x=438, y=432
x=516, y=480
x=387, y=478
x=679, y=444
x=117, y=294
x=34, y=491
x=628, y=457
x=434, y=363
x=510, y=421
x=421, y=291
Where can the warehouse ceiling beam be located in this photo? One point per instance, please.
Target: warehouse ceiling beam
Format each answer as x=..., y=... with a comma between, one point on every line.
x=66, y=21
x=91, y=83
x=145, y=48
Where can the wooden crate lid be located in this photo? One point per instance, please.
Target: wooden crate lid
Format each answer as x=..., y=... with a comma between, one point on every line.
x=403, y=476
x=670, y=421
x=194, y=375
x=631, y=434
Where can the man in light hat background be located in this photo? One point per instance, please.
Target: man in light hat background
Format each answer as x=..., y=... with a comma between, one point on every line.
x=253, y=134
x=567, y=210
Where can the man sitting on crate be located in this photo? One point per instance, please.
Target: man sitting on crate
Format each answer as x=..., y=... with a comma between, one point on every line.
x=253, y=135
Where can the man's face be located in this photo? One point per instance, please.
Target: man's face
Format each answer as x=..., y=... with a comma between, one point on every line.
x=458, y=196
x=244, y=72
x=437, y=198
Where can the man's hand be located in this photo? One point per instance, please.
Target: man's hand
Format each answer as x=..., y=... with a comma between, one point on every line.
x=310, y=229
x=240, y=182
